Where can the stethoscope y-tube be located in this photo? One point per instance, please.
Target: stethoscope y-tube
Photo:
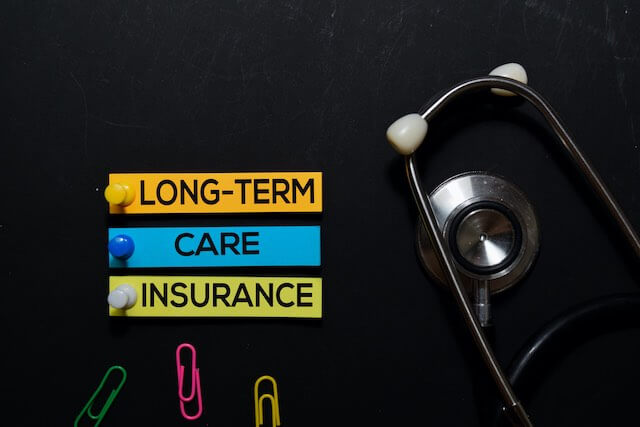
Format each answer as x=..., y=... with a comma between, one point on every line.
x=407, y=134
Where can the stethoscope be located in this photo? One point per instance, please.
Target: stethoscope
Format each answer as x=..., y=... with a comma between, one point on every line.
x=481, y=232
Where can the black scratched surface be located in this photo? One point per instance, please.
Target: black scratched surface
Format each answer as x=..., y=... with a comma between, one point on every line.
x=91, y=87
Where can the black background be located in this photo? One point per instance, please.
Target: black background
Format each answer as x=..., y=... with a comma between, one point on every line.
x=92, y=87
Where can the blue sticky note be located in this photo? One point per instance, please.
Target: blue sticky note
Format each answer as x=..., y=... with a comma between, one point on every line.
x=219, y=246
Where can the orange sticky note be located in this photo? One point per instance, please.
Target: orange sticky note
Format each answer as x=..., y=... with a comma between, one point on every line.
x=151, y=193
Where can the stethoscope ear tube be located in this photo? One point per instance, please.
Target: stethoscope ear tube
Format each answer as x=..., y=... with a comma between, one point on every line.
x=446, y=262
x=406, y=136
x=570, y=147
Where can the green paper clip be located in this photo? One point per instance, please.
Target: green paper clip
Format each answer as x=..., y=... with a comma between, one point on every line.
x=87, y=408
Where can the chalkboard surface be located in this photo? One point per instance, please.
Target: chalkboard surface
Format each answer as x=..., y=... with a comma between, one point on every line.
x=92, y=87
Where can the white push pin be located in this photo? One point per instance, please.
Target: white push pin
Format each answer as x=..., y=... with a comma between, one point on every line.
x=407, y=133
x=511, y=70
x=122, y=297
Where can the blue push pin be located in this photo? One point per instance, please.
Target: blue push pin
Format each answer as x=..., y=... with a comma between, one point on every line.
x=121, y=246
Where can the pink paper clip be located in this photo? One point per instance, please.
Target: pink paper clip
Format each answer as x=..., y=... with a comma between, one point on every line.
x=195, y=382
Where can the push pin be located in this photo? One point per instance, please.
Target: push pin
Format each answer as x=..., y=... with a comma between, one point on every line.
x=119, y=194
x=122, y=297
x=121, y=247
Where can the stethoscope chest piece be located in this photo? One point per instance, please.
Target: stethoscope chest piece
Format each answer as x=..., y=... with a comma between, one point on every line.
x=490, y=227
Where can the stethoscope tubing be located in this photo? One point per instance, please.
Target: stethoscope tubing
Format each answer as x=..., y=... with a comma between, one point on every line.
x=567, y=331
x=437, y=239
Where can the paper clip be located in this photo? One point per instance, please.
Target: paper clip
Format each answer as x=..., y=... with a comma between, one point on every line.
x=195, y=382
x=89, y=406
x=259, y=402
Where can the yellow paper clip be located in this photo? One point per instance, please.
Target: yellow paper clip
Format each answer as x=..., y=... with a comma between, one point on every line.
x=87, y=408
x=259, y=405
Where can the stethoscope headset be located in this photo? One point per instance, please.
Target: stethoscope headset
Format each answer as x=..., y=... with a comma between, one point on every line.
x=479, y=233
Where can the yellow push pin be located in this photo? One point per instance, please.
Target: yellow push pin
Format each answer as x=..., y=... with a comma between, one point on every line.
x=119, y=194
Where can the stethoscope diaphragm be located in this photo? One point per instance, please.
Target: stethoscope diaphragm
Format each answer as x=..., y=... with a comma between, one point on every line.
x=491, y=229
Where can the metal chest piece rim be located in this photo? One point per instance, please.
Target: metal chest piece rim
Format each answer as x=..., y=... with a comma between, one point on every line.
x=491, y=229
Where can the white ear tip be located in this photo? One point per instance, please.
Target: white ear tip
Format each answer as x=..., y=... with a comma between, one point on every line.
x=511, y=70
x=407, y=133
